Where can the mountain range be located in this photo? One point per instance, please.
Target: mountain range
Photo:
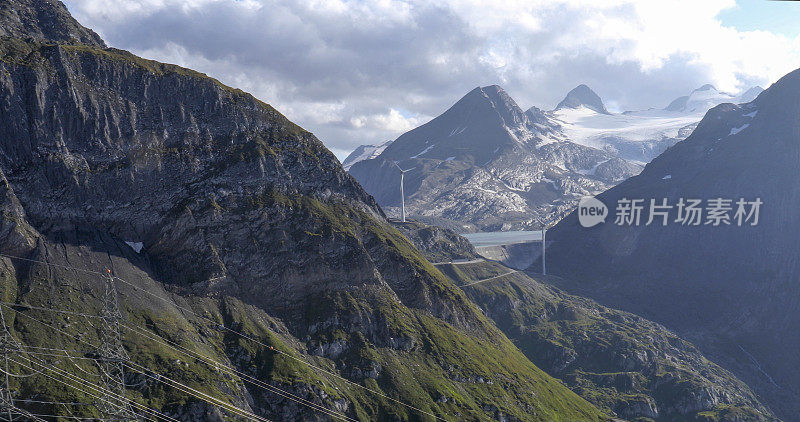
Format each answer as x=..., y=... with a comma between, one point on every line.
x=159, y=222
x=254, y=275
x=488, y=164
x=486, y=161
x=640, y=136
x=730, y=287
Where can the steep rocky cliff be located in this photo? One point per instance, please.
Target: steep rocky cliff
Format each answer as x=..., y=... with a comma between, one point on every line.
x=201, y=197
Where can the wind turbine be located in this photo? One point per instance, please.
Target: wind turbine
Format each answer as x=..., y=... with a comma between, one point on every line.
x=402, y=194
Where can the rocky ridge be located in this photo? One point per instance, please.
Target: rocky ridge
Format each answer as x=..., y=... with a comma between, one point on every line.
x=211, y=200
x=487, y=162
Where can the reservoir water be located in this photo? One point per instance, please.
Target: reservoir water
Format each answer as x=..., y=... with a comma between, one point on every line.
x=502, y=238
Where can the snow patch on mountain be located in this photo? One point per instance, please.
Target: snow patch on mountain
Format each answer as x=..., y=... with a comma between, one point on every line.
x=364, y=152
x=736, y=130
x=423, y=151
x=640, y=136
x=136, y=246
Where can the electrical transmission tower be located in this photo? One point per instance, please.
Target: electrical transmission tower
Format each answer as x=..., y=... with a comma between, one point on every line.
x=112, y=357
x=8, y=347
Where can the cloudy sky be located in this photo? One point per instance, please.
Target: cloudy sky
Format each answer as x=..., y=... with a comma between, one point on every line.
x=356, y=72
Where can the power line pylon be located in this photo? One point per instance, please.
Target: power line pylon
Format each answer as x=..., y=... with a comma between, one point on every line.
x=112, y=357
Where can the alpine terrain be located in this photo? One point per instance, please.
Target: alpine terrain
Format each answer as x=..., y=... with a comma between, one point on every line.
x=174, y=247
x=488, y=162
x=485, y=163
x=729, y=285
x=364, y=152
x=628, y=366
x=639, y=136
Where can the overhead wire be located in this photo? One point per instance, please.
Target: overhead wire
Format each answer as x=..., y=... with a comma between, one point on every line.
x=240, y=334
x=194, y=392
x=45, y=366
x=244, y=376
x=97, y=389
x=186, y=389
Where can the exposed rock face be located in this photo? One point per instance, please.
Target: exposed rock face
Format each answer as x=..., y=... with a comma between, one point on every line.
x=144, y=167
x=583, y=96
x=438, y=244
x=16, y=235
x=246, y=218
x=44, y=20
x=732, y=290
x=620, y=362
x=487, y=162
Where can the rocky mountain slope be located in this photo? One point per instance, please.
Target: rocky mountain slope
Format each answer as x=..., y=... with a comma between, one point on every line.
x=44, y=21
x=485, y=161
x=582, y=96
x=199, y=197
x=620, y=362
x=730, y=289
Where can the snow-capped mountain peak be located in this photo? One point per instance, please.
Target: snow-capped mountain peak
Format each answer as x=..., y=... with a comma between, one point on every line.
x=640, y=136
x=582, y=96
x=486, y=162
x=364, y=152
x=707, y=96
x=750, y=94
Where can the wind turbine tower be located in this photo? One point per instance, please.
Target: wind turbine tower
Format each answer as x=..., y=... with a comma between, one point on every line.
x=544, y=244
x=402, y=194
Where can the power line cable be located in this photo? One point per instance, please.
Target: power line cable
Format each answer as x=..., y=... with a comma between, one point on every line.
x=95, y=388
x=244, y=376
x=186, y=389
x=201, y=358
x=242, y=335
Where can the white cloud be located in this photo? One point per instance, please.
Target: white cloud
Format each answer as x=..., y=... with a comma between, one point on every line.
x=393, y=121
x=345, y=69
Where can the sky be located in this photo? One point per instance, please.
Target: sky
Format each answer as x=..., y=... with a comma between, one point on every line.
x=362, y=72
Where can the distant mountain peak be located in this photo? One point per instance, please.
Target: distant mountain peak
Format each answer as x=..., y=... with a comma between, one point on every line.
x=582, y=95
x=492, y=93
x=484, y=122
x=484, y=91
x=707, y=96
x=492, y=88
x=750, y=94
x=364, y=152
x=706, y=87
